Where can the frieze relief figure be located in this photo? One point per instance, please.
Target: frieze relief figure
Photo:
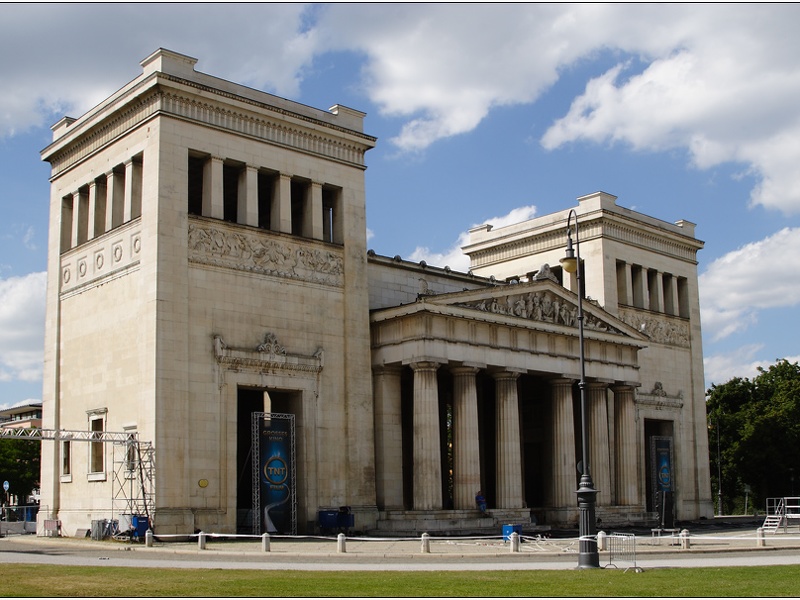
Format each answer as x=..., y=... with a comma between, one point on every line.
x=254, y=253
x=539, y=306
x=662, y=331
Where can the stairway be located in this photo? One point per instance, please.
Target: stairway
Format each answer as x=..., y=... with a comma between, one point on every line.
x=771, y=523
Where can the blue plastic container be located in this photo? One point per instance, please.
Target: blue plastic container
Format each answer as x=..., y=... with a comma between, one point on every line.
x=509, y=529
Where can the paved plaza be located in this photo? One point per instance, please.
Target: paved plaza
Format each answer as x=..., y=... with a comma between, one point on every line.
x=735, y=547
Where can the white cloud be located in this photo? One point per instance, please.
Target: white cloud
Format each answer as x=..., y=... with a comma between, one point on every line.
x=726, y=92
x=738, y=285
x=262, y=45
x=741, y=362
x=719, y=81
x=453, y=257
x=22, y=302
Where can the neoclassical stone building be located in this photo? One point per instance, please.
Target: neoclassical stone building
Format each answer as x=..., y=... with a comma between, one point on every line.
x=211, y=295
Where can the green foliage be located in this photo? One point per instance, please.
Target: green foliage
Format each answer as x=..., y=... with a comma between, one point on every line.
x=754, y=434
x=19, y=465
x=62, y=581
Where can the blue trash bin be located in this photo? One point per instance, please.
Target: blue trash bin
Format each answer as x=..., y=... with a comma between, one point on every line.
x=509, y=529
x=139, y=525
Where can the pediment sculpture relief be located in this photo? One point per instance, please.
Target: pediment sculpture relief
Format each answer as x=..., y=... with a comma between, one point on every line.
x=545, y=307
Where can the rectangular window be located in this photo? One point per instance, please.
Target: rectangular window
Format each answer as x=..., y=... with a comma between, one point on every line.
x=231, y=175
x=97, y=449
x=332, y=215
x=266, y=189
x=300, y=190
x=195, y=184
x=66, y=458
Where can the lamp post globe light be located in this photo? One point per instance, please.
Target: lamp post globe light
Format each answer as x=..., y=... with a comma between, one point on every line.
x=588, y=557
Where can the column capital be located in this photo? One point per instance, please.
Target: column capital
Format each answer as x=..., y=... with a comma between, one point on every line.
x=623, y=387
x=498, y=375
x=425, y=365
x=464, y=370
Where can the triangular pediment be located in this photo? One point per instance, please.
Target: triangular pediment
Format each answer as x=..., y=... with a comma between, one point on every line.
x=544, y=302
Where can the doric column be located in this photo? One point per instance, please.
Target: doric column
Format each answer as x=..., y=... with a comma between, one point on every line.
x=656, y=290
x=671, y=302
x=388, y=437
x=627, y=481
x=281, y=218
x=599, y=458
x=563, y=451
x=427, y=450
x=133, y=189
x=97, y=210
x=247, y=197
x=625, y=273
x=466, y=441
x=509, y=449
x=115, y=195
x=80, y=217
x=213, y=191
x=67, y=221
x=312, y=226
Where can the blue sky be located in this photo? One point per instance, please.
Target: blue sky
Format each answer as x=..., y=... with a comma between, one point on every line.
x=484, y=114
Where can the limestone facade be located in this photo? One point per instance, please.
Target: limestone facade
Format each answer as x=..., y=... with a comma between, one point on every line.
x=208, y=260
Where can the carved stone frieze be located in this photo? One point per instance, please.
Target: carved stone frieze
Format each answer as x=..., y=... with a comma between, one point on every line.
x=539, y=306
x=662, y=329
x=270, y=355
x=227, y=246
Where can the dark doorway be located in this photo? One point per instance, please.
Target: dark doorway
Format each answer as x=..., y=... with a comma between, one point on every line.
x=252, y=400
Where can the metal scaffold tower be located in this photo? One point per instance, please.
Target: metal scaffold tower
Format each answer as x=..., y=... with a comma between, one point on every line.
x=133, y=466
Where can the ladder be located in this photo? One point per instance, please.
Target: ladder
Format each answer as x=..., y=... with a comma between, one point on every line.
x=772, y=523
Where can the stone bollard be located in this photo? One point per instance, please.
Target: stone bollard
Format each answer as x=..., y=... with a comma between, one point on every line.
x=426, y=543
x=760, y=541
x=601, y=541
x=201, y=541
x=514, y=538
x=148, y=538
x=341, y=544
x=685, y=539
x=265, y=542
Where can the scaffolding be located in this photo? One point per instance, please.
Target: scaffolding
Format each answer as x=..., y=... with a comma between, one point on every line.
x=133, y=465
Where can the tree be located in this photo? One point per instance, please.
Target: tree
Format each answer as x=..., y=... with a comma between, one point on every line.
x=19, y=465
x=754, y=433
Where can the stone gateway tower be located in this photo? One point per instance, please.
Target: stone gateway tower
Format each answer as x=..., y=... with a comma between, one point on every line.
x=224, y=354
x=207, y=261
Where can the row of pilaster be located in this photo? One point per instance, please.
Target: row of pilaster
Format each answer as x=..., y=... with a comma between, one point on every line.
x=247, y=205
x=101, y=205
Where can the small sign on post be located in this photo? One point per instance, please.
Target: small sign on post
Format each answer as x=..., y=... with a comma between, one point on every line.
x=5, y=486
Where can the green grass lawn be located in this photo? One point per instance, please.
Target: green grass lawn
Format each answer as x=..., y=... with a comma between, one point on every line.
x=50, y=581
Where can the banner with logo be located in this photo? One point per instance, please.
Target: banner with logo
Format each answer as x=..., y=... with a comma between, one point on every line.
x=276, y=473
x=663, y=451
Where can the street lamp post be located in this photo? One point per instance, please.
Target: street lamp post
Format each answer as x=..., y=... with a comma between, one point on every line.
x=588, y=557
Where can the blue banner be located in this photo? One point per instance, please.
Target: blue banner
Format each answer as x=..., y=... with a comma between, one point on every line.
x=276, y=474
x=664, y=464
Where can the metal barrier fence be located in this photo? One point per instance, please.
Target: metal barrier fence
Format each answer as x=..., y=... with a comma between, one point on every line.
x=18, y=519
x=622, y=548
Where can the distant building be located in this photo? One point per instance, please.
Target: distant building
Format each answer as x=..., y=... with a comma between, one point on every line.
x=22, y=416
x=210, y=292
